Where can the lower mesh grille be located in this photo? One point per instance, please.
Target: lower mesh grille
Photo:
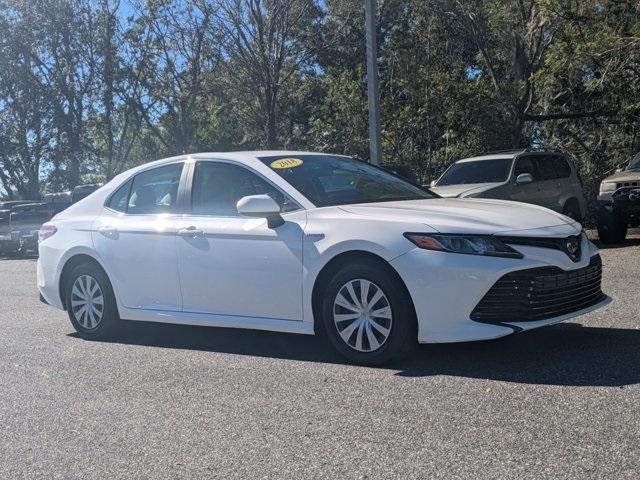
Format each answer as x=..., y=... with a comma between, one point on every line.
x=540, y=294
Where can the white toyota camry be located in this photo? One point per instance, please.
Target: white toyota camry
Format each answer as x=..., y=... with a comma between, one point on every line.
x=308, y=242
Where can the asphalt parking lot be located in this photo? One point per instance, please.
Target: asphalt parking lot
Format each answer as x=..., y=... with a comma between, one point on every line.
x=164, y=401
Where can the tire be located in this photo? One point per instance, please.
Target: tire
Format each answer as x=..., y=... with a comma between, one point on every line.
x=572, y=209
x=611, y=228
x=400, y=328
x=100, y=321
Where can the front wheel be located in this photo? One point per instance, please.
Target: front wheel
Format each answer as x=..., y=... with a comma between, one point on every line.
x=572, y=210
x=90, y=303
x=611, y=228
x=368, y=315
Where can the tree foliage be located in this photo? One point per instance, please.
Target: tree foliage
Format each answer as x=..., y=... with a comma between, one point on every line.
x=89, y=88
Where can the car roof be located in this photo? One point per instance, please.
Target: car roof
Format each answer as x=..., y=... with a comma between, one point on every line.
x=495, y=156
x=506, y=154
x=241, y=155
x=247, y=157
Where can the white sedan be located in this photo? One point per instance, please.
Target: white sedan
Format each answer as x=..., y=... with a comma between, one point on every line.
x=308, y=242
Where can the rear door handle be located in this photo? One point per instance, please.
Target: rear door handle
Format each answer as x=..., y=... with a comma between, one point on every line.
x=191, y=232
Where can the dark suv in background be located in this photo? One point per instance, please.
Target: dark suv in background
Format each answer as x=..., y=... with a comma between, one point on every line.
x=619, y=203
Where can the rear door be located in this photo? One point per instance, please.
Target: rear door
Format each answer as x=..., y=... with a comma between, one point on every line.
x=549, y=182
x=136, y=237
x=569, y=183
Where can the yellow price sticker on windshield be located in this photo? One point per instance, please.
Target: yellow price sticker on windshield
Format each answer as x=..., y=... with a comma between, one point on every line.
x=286, y=163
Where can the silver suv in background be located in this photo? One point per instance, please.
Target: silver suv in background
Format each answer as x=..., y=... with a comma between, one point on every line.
x=547, y=179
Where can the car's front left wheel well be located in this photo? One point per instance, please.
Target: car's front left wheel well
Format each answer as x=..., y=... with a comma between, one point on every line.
x=335, y=264
x=70, y=264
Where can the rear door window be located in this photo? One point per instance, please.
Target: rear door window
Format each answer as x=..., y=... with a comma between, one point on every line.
x=120, y=199
x=151, y=192
x=562, y=167
x=155, y=191
x=545, y=168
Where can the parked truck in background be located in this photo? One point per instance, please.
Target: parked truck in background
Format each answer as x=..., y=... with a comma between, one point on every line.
x=19, y=228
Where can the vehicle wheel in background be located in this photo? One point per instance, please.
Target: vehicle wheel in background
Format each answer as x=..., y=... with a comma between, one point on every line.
x=367, y=314
x=611, y=228
x=90, y=302
x=572, y=209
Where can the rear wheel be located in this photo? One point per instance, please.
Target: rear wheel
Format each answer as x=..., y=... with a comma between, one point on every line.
x=611, y=228
x=367, y=314
x=90, y=302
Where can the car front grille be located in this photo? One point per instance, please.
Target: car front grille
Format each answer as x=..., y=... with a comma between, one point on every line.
x=540, y=294
x=627, y=184
x=561, y=244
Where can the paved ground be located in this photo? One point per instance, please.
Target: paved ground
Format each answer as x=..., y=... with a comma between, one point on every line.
x=180, y=402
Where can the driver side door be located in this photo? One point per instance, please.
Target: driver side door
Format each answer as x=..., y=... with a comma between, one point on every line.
x=236, y=266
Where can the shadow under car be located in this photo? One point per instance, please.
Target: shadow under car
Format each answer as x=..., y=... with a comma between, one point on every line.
x=562, y=354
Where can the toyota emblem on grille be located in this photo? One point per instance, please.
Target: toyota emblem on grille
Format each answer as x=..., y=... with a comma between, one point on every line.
x=572, y=246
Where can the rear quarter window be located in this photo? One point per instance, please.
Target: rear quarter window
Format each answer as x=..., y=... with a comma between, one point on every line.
x=120, y=198
x=563, y=168
x=545, y=168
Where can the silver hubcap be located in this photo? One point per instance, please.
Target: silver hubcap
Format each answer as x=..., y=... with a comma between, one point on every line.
x=362, y=315
x=87, y=301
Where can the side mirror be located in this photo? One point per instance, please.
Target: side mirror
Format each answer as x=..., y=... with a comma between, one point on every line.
x=524, y=178
x=433, y=183
x=261, y=206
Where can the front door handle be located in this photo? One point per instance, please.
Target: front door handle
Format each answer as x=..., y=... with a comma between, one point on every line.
x=107, y=230
x=191, y=232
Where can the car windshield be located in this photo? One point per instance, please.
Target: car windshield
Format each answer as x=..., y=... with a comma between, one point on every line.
x=328, y=180
x=634, y=164
x=477, y=171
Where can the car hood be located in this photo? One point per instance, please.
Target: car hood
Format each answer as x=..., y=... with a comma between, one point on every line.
x=463, y=190
x=624, y=176
x=472, y=216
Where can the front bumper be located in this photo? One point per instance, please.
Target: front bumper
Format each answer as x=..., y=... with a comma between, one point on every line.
x=624, y=202
x=446, y=287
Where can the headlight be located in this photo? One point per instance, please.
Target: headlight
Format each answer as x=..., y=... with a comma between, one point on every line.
x=607, y=187
x=468, y=244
